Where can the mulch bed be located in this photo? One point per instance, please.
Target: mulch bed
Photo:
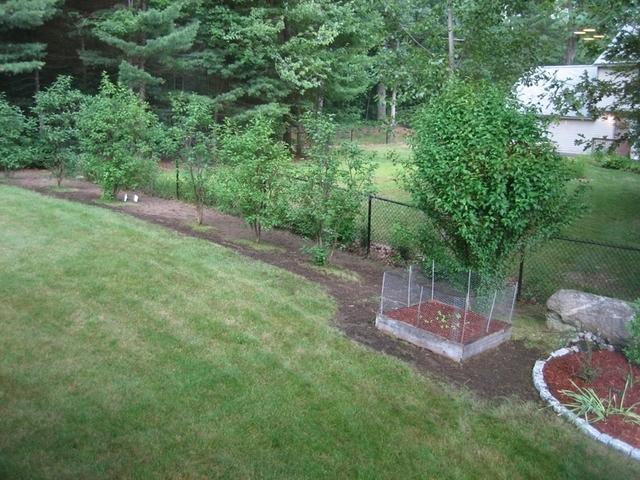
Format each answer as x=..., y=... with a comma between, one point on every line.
x=447, y=321
x=501, y=372
x=613, y=369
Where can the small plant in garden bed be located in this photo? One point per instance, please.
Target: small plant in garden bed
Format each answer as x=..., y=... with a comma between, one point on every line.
x=447, y=322
x=610, y=401
x=588, y=404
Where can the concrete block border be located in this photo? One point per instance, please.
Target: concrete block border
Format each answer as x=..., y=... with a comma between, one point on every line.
x=581, y=423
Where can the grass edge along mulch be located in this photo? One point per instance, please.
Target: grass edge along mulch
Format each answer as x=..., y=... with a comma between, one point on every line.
x=132, y=351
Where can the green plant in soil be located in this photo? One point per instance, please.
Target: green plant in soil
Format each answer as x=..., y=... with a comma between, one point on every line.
x=131, y=351
x=632, y=350
x=116, y=132
x=585, y=402
x=484, y=172
x=57, y=110
x=587, y=370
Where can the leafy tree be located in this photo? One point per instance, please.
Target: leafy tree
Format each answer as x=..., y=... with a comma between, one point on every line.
x=117, y=141
x=15, y=141
x=15, y=15
x=486, y=175
x=332, y=186
x=258, y=175
x=57, y=109
x=146, y=41
x=194, y=134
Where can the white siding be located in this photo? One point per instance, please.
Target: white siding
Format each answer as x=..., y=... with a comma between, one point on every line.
x=565, y=132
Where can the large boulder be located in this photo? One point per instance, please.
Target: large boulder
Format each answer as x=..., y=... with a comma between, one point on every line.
x=585, y=312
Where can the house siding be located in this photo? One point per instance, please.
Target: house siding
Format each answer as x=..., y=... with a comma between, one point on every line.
x=565, y=132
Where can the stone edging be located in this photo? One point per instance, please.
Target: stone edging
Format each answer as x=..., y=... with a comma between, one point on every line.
x=581, y=423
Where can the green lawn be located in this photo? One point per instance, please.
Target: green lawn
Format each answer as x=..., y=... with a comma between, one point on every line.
x=130, y=351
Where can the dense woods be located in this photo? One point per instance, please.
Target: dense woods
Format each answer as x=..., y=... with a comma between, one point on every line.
x=359, y=59
x=233, y=91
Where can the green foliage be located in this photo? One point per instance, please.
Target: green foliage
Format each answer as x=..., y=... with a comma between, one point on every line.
x=484, y=173
x=632, y=351
x=319, y=254
x=195, y=138
x=16, y=147
x=57, y=109
x=403, y=242
x=333, y=182
x=258, y=175
x=23, y=57
x=147, y=41
x=585, y=402
x=116, y=132
x=618, y=162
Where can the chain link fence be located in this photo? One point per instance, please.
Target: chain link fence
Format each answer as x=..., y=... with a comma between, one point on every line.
x=562, y=262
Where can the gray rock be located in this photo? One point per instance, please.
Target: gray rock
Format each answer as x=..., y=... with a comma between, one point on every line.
x=606, y=317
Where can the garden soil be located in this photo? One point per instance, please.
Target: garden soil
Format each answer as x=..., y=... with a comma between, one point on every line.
x=496, y=374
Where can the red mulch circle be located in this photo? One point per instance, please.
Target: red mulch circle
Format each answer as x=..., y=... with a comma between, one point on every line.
x=613, y=369
x=447, y=321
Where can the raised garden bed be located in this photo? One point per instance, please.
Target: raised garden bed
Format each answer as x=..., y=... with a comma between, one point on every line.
x=445, y=329
x=612, y=371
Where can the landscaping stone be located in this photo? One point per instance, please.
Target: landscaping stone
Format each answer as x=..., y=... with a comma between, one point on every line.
x=571, y=310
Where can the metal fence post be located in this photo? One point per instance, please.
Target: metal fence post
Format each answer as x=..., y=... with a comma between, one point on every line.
x=369, y=225
x=520, y=275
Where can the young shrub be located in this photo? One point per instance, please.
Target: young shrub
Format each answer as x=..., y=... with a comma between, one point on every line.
x=57, y=109
x=116, y=130
x=16, y=138
x=259, y=170
x=333, y=182
x=632, y=350
x=195, y=136
x=487, y=176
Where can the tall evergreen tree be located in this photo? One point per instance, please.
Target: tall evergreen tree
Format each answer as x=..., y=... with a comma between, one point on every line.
x=16, y=15
x=289, y=56
x=144, y=42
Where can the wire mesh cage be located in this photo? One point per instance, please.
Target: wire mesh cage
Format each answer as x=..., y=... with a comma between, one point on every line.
x=456, y=308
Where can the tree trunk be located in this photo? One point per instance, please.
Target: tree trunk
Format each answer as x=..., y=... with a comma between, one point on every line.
x=199, y=213
x=382, y=102
x=452, y=64
x=37, y=80
x=299, y=139
x=570, y=49
x=394, y=100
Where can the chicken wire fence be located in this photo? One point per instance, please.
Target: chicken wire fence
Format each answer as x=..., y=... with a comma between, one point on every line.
x=561, y=262
x=457, y=306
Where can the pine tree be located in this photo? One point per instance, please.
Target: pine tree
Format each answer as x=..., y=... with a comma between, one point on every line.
x=144, y=41
x=23, y=57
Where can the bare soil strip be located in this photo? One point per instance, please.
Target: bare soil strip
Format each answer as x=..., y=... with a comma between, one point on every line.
x=502, y=372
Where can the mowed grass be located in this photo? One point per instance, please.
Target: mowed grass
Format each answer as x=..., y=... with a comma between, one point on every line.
x=129, y=351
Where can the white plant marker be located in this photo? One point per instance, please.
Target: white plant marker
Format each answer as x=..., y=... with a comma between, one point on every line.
x=125, y=197
x=420, y=305
x=135, y=198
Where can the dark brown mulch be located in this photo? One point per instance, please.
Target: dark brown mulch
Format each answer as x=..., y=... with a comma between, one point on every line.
x=502, y=372
x=612, y=370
